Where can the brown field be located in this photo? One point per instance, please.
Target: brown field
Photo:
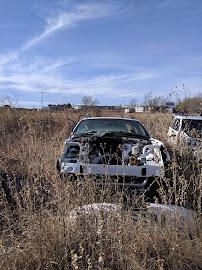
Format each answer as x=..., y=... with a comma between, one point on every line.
x=36, y=231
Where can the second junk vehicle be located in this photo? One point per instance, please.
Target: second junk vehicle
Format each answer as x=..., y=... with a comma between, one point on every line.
x=119, y=148
x=186, y=130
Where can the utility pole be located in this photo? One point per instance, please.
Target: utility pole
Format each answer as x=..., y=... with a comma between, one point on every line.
x=42, y=99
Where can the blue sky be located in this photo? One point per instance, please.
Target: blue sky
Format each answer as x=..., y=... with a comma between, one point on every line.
x=114, y=50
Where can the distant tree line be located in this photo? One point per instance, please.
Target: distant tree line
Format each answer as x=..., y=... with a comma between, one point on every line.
x=60, y=106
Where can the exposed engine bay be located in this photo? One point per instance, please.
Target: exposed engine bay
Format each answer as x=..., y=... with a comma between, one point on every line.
x=106, y=150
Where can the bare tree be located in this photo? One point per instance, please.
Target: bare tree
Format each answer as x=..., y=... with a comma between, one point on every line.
x=152, y=100
x=88, y=101
x=179, y=94
x=132, y=103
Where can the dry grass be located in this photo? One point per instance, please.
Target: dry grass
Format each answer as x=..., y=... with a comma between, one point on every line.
x=36, y=231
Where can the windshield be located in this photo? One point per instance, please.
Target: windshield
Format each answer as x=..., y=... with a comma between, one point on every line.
x=190, y=125
x=110, y=126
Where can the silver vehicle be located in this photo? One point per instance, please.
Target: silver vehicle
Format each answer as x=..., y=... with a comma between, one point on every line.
x=187, y=130
x=120, y=148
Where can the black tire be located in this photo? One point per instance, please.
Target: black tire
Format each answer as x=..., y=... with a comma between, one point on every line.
x=58, y=166
x=151, y=190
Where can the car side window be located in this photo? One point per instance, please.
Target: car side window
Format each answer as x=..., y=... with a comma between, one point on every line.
x=176, y=124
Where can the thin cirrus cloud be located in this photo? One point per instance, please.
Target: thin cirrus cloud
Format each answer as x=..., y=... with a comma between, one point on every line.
x=42, y=64
x=5, y=26
x=70, y=19
x=104, y=84
x=7, y=57
x=62, y=20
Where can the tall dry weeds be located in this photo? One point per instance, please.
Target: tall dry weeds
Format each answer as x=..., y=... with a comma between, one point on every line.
x=37, y=230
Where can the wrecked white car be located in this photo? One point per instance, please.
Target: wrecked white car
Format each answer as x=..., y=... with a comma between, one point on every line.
x=119, y=148
x=187, y=130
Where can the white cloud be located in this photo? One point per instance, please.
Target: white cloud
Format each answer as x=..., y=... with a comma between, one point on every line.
x=51, y=82
x=7, y=57
x=42, y=64
x=69, y=19
x=62, y=20
x=58, y=64
x=42, y=75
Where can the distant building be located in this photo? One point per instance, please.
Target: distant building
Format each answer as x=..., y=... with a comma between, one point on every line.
x=142, y=109
x=139, y=108
x=168, y=107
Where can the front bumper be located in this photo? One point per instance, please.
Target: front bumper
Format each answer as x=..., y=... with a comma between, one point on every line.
x=135, y=176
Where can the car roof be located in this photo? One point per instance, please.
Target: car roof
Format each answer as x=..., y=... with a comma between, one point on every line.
x=189, y=117
x=107, y=117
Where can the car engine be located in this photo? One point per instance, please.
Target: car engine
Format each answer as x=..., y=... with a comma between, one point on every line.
x=106, y=150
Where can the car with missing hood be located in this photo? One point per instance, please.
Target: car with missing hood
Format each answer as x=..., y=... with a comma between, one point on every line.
x=187, y=130
x=120, y=148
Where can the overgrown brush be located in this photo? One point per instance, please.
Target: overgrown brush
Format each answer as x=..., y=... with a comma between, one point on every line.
x=37, y=229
